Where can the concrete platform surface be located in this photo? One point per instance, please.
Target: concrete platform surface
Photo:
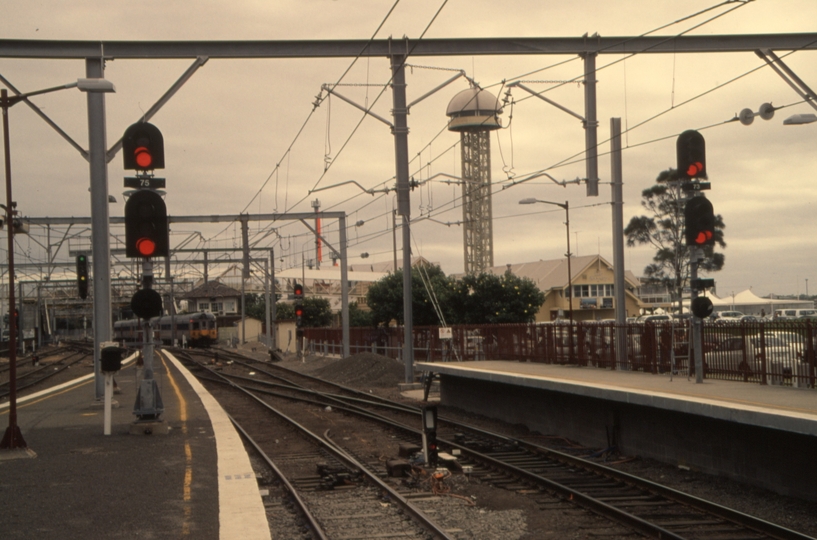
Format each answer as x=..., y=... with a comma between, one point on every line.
x=778, y=407
x=196, y=481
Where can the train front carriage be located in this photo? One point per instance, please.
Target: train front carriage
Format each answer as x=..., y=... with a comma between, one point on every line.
x=203, y=330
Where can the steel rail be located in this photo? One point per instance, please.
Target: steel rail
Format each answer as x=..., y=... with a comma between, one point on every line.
x=317, y=529
x=417, y=514
x=739, y=518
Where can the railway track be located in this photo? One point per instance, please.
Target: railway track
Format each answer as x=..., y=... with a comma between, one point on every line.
x=40, y=369
x=550, y=477
x=330, y=493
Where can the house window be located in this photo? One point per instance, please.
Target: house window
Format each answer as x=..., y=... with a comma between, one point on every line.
x=204, y=306
x=217, y=307
x=581, y=291
x=592, y=291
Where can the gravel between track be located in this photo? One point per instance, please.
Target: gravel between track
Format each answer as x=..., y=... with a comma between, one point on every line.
x=380, y=375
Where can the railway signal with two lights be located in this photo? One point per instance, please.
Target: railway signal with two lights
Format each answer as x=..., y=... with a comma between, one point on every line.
x=299, y=304
x=82, y=276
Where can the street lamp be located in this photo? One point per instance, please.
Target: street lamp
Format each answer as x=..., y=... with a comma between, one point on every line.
x=13, y=438
x=566, y=206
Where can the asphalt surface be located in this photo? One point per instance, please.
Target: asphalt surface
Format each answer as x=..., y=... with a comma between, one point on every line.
x=76, y=482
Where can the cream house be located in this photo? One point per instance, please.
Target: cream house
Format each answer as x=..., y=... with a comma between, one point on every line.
x=593, y=287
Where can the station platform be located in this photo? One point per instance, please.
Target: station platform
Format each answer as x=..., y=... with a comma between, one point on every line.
x=762, y=434
x=74, y=481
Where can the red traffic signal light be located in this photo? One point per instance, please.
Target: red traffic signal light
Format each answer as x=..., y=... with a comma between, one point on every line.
x=146, y=233
x=143, y=147
x=699, y=227
x=82, y=276
x=299, y=311
x=691, y=153
x=298, y=289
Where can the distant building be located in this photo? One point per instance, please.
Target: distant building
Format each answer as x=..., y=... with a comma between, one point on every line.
x=214, y=297
x=592, y=282
x=324, y=282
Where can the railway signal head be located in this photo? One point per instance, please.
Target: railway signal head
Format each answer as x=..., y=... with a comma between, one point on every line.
x=691, y=152
x=699, y=222
x=146, y=304
x=82, y=276
x=146, y=233
x=702, y=307
x=143, y=147
x=299, y=306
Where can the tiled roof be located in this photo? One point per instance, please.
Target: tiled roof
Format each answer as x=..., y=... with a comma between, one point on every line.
x=212, y=289
x=553, y=274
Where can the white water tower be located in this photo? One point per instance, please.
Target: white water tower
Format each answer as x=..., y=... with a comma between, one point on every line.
x=474, y=114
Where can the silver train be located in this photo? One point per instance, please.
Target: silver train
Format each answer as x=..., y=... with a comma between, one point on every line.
x=195, y=329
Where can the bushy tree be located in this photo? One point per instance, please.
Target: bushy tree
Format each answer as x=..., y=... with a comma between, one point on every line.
x=663, y=228
x=317, y=312
x=385, y=296
x=491, y=299
x=474, y=299
x=359, y=317
x=284, y=311
x=256, y=306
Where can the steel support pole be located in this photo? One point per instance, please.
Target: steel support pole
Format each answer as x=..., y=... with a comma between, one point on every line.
x=266, y=299
x=697, y=323
x=272, y=313
x=344, y=288
x=13, y=437
x=591, y=125
x=618, y=244
x=400, y=131
x=97, y=146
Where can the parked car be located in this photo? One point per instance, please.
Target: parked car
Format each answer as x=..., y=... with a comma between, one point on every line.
x=727, y=316
x=745, y=354
x=653, y=318
x=791, y=314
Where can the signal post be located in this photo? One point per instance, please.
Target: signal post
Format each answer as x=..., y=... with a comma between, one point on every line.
x=699, y=232
x=146, y=236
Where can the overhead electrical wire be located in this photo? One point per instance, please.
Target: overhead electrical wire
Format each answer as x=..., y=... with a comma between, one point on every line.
x=328, y=166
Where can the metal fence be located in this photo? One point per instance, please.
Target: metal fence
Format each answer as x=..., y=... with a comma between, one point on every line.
x=775, y=352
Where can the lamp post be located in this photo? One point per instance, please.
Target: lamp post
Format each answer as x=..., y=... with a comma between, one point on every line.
x=566, y=206
x=13, y=438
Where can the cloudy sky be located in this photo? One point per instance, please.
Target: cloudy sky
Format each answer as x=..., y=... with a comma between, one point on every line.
x=228, y=130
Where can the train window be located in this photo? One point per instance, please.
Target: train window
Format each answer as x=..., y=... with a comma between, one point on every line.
x=183, y=326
